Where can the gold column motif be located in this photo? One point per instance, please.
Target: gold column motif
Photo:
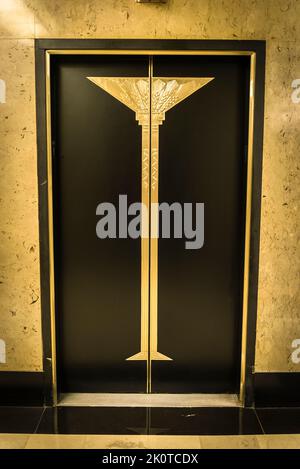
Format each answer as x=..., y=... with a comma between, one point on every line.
x=150, y=98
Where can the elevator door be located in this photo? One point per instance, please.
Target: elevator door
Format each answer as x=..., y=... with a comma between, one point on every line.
x=202, y=158
x=147, y=314
x=96, y=153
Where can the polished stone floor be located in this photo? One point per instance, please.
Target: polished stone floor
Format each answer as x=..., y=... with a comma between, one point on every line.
x=149, y=421
x=35, y=441
x=127, y=427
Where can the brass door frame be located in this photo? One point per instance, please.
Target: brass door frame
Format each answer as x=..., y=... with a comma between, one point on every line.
x=247, y=236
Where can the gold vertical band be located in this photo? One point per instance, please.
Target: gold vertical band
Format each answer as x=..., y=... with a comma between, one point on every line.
x=145, y=240
x=149, y=367
x=154, y=240
x=247, y=227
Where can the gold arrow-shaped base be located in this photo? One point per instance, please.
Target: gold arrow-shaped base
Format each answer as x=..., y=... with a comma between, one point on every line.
x=152, y=356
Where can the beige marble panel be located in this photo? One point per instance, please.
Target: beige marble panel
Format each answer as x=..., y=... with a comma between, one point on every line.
x=20, y=324
x=125, y=19
x=231, y=19
x=282, y=19
x=17, y=114
x=279, y=280
x=274, y=349
x=16, y=19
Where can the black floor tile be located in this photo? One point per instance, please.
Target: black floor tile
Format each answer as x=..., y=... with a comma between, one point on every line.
x=160, y=421
x=280, y=420
x=19, y=419
x=204, y=421
x=94, y=420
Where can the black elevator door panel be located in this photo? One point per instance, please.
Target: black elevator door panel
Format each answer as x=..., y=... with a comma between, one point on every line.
x=97, y=148
x=202, y=159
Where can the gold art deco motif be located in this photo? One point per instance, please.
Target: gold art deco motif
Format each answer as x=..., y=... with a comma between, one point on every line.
x=150, y=99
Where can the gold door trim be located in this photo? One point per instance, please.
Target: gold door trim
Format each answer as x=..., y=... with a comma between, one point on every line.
x=247, y=226
x=50, y=232
x=147, y=195
x=152, y=52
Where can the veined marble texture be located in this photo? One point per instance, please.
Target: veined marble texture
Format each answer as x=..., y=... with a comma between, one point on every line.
x=276, y=21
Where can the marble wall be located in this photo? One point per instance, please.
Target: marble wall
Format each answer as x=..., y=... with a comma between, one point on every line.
x=278, y=22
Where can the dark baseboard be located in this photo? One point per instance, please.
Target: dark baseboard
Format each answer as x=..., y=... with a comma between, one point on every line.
x=277, y=389
x=21, y=388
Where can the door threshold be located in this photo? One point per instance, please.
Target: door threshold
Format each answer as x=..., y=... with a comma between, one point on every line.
x=148, y=400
